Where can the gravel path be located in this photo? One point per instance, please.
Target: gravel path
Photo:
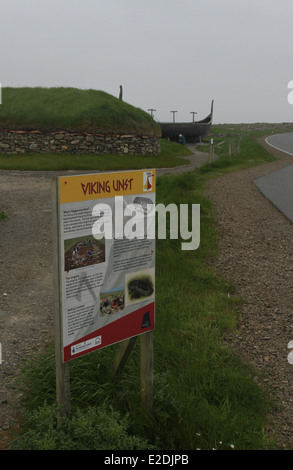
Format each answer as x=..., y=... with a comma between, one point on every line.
x=26, y=299
x=256, y=252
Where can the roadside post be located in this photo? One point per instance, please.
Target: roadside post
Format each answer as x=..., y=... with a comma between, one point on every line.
x=211, y=150
x=104, y=272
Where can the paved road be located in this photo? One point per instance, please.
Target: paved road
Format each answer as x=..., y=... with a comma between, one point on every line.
x=283, y=142
x=278, y=186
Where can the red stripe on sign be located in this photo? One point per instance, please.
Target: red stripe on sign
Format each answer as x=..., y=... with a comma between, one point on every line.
x=135, y=323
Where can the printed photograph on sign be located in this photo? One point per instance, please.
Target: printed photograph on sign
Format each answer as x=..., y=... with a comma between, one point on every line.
x=112, y=301
x=139, y=286
x=83, y=251
x=139, y=216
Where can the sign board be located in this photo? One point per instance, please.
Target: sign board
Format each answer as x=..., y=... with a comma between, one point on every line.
x=106, y=259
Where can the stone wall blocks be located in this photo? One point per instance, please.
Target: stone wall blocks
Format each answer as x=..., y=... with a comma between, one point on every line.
x=73, y=143
x=34, y=146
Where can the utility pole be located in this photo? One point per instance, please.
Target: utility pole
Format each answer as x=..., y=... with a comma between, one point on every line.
x=152, y=111
x=173, y=115
x=193, y=113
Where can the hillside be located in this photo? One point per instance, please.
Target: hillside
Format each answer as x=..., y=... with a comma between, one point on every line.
x=72, y=110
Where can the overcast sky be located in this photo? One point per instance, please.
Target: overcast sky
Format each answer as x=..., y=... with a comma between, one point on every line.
x=167, y=54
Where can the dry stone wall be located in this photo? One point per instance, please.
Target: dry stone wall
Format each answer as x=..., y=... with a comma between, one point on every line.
x=12, y=142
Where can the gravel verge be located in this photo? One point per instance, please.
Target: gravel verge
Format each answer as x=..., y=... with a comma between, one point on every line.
x=256, y=254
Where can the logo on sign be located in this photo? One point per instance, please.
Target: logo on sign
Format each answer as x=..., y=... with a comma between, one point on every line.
x=147, y=181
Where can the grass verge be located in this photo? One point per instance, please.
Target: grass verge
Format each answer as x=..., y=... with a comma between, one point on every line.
x=251, y=153
x=205, y=396
x=169, y=157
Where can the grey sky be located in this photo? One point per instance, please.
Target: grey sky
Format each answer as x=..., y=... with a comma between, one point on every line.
x=167, y=54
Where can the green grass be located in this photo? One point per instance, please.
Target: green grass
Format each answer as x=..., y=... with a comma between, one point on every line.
x=73, y=110
x=253, y=129
x=170, y=151
x=205, y=396
x=251, y=153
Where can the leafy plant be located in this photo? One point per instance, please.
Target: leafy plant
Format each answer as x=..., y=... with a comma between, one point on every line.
x=96, y=428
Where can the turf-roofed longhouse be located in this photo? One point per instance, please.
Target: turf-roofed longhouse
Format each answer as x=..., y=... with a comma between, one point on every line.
x=74, y=121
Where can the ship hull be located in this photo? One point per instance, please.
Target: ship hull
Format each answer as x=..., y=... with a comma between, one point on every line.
x=192, y=131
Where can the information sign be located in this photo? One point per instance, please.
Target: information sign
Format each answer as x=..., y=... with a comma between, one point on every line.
x=106, y=259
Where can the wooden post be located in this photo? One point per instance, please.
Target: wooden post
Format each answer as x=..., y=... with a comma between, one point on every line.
x=147, y=370
x=193, y=113
x=122, y=355
x=238, y=148
x=152, y=111
x=62, y=369
x=173, y=115
x=211, y=150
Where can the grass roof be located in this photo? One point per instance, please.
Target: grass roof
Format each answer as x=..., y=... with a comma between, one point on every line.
x=72, y=110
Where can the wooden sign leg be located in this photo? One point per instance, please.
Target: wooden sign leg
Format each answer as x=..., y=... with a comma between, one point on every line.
x=62, y=369
x=147, y=369
x=123, y=354
x=62, y=390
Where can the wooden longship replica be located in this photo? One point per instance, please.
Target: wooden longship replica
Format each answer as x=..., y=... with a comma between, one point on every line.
x=192, y=131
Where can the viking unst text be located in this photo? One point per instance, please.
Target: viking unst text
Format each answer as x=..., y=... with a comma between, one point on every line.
x=98, y=187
